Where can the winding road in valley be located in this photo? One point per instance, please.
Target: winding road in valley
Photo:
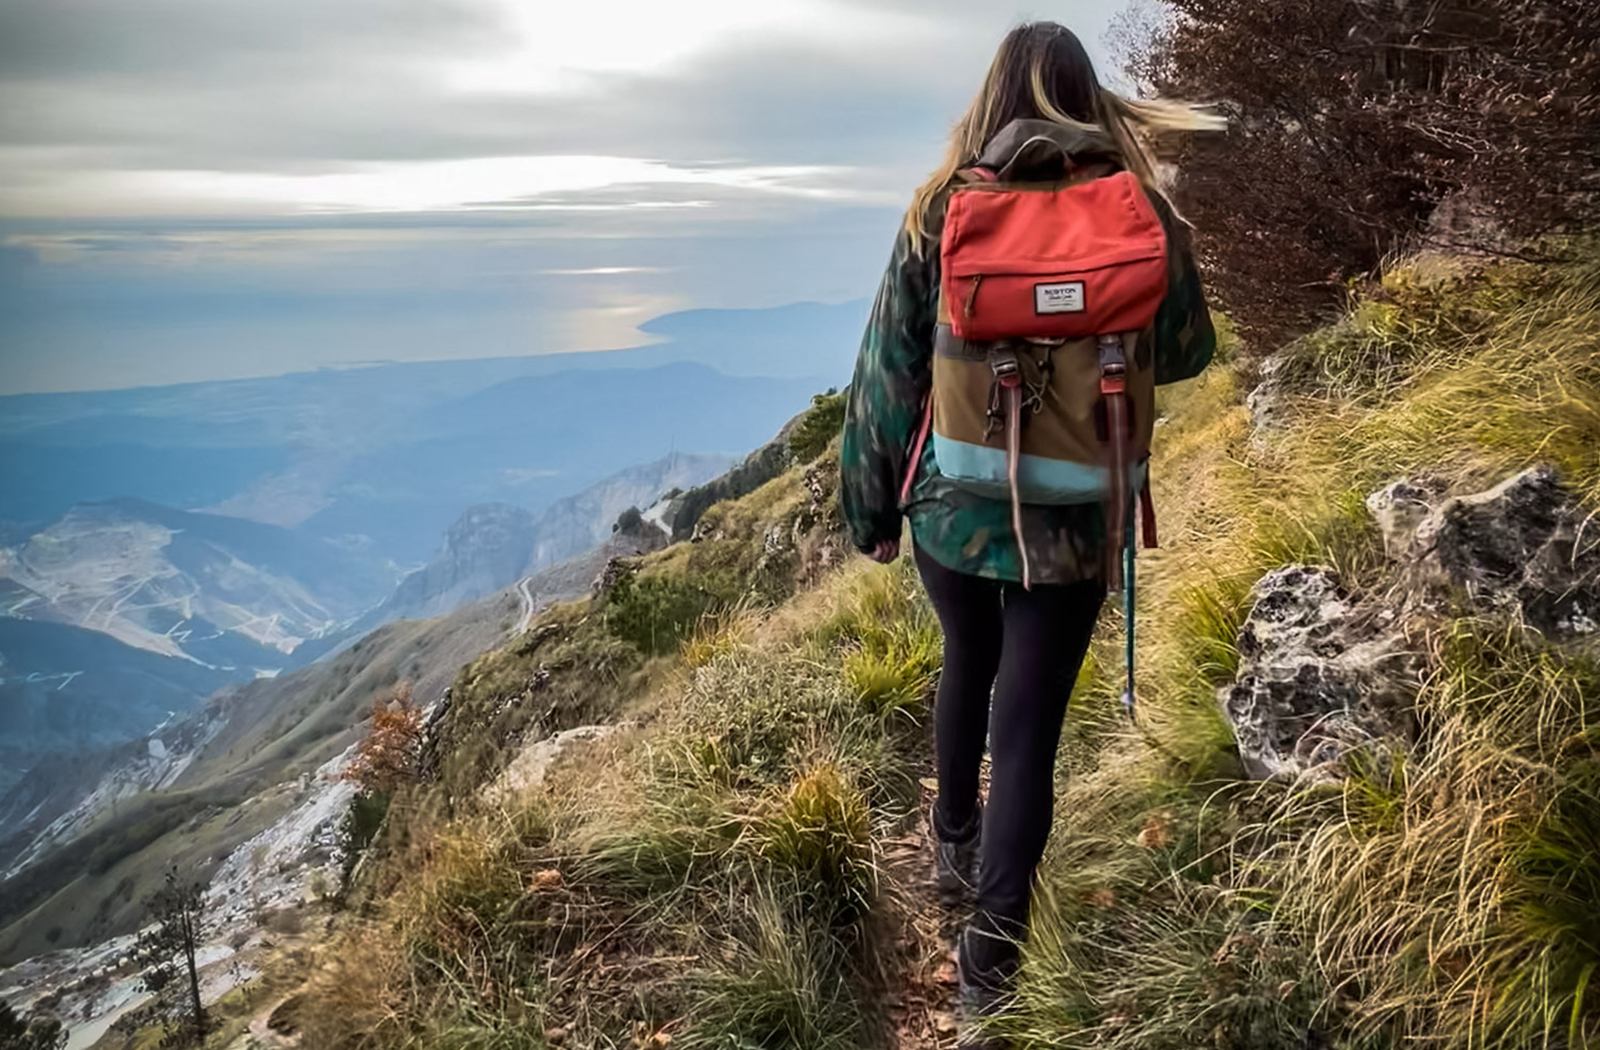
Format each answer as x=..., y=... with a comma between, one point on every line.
x=528, y=608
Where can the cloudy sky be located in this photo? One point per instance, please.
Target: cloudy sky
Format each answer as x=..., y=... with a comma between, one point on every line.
x=202, y=189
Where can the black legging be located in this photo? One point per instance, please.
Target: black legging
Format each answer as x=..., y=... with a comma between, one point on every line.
x=1027, y=646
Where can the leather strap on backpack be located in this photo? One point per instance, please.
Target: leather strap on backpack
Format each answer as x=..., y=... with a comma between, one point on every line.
x=1114, y=393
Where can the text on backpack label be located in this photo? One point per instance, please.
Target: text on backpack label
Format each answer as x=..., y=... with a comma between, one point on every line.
x=1064, y=298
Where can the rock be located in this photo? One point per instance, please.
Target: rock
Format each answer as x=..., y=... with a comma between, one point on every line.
x=615, y=569
x=1399, y=509
x=1268, y=403
x=1316, y=679
x=1525, y=547
x=532, y=764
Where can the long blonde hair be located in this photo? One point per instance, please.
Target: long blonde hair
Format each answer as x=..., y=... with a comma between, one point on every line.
x=1043, y=72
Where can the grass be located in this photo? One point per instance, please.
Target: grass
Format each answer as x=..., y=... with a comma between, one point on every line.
x=720, y=875
x=1445, y=899
x=717, y=879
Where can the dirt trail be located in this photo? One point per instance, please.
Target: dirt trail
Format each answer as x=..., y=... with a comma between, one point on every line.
x=262, y=1033
x=922, y=1000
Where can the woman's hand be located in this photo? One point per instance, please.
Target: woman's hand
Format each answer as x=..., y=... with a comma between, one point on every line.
x=885, y=552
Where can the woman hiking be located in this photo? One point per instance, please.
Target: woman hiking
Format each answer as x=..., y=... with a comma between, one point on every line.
x=1015, y=553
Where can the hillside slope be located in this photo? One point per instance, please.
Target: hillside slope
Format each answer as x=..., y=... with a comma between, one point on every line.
x=739, y=866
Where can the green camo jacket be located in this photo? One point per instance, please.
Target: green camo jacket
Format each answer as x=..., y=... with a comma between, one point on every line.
x=958, y=528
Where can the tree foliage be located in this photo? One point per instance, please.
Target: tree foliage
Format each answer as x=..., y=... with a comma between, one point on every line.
x=29, y=1033
x=1362, y=126
x=166, y=953
x=386, y=759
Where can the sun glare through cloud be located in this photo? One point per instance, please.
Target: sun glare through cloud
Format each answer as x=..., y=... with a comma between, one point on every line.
x=213, y=188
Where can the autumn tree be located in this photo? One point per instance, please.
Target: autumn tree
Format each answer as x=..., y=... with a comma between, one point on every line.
x=386, y=759
x=166, y=952
x=1362, y=127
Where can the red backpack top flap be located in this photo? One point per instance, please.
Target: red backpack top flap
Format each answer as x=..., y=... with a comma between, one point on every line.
x=1063, y=262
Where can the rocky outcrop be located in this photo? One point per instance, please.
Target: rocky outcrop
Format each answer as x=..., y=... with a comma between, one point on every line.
x=297, y=859
x=1526, y=548
x=1318, y=677
x=1322, y=673
x=530, y=766
x=684, y=511
x=496, y=545
x=484, y=550
x=582, y=522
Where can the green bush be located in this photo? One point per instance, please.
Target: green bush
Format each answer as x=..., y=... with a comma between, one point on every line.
x=818, y=427
x=656, y=613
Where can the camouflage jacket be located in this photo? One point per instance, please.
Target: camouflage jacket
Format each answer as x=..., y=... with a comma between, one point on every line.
x=960, y=529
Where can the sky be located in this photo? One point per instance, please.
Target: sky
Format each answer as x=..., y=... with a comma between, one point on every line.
x=209, y=189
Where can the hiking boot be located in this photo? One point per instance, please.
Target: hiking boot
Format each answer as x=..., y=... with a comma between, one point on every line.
x=977, y=999
x=955, y=862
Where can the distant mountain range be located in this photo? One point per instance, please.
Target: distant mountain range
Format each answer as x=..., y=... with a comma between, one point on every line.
x=494, y=545
x=162, y=546
x=124, y=614
x=221, y=591
x=390, y=455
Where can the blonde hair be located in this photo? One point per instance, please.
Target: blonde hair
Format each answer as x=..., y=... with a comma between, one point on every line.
x=1130, y=124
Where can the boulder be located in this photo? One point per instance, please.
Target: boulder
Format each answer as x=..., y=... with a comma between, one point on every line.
x=530, y=766
x=1317, y=678
x=1269, y=401
x=1399, y=510
x=612, y=574
x=1321, y=674
x=1525, y=547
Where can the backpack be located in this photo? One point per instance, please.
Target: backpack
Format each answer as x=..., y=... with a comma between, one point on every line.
x=1043, y=373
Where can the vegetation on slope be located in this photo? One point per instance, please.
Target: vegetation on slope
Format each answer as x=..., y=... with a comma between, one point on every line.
x=1446, y=901
x=731, y=871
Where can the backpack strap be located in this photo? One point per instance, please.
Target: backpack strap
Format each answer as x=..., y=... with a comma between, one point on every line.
x=1009, y=377
x=1113, y=393
x=916, y=449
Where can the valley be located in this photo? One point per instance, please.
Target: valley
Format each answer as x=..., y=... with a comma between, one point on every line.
x=160, y=544
x=180, y=689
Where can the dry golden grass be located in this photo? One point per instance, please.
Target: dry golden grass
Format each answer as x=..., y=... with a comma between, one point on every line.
x=1449, y=901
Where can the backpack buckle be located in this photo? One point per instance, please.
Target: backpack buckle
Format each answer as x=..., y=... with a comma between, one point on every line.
x=1113, y=365
x=1006, y=368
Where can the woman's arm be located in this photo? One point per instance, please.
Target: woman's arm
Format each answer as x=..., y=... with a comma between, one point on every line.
x=1184, y=337
x=885, y=398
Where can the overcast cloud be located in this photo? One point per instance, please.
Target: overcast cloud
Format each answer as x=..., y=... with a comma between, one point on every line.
x=531, y=176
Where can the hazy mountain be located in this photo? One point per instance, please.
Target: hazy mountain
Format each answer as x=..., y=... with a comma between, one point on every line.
x=531, y=441
x=394, y=452
x=122, y=614
x=223, y=592
x=484, y=550
x=494, y=545
x=798, y=340
x=578, y=523
x=64, y=689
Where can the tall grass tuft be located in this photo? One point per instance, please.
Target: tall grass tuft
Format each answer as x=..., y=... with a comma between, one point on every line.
x=1446, y=897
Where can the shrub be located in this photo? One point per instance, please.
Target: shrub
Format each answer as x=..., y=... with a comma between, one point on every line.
x=386, y=758
x=1351, y=122
x=818, y=427
x=655, y=613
